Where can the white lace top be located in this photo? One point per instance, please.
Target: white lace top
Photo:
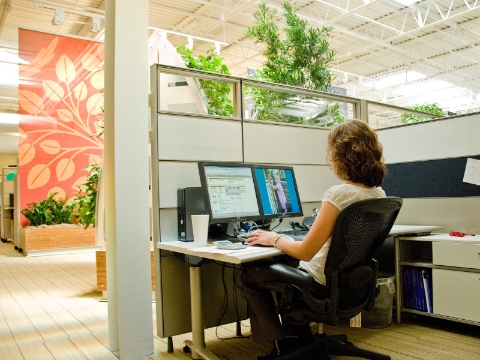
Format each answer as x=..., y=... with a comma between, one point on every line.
x=339, y=196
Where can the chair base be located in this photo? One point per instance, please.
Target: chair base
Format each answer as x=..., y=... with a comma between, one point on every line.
x=323, y=346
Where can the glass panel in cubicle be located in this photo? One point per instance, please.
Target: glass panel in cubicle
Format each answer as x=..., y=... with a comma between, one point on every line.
x=294, y=105
x=383, y=115
x=195, y=92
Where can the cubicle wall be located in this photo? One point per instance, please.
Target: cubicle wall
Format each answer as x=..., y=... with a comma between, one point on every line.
x=427, y=163
x=179, y=142
x=185, y=140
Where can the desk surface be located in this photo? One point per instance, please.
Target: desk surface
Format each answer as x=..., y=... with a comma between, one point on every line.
x=444, y=238
x=253, y=253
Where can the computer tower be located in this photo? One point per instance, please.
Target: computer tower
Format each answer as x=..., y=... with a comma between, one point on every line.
x=190, y=202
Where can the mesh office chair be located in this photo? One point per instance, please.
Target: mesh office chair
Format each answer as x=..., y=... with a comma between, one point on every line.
x=351, y=273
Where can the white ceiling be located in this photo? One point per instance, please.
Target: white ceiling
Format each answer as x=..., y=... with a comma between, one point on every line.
x=432, y=46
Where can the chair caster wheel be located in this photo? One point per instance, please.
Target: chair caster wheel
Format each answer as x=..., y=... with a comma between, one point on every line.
x=15, y=247
x=186, y=349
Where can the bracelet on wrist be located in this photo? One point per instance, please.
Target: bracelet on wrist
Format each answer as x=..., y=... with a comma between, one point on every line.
x=275, y=239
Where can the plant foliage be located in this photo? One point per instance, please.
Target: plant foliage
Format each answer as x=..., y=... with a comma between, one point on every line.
x=84, y=205
x=49, y=212
x=298, y=57
x=429, y=108
x=217, y=94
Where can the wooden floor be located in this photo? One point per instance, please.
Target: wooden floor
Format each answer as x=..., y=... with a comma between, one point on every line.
x=50, y=309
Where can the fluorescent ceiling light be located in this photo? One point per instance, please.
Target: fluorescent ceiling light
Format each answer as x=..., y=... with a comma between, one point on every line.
x=406, y=2
x=9, y=118
x=9, y=57
x=9, y=74
x=394, y=79
x=426, y=87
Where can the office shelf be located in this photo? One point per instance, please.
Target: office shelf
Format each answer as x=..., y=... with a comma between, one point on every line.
x=455, y=273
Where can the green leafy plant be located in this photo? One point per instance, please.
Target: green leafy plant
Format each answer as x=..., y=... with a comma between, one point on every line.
x=298, y=57
x=429, y=108
x=49, y=212
x=217, y=94
x=84, y=205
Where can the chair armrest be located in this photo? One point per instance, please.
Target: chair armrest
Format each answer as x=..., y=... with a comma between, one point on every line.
x=280, y=273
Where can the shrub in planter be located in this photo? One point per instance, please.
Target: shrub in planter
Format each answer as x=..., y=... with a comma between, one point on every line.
x=49, y=212
x=84, y=205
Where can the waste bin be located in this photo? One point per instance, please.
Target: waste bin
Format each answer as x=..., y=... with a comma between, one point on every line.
x=380, y=316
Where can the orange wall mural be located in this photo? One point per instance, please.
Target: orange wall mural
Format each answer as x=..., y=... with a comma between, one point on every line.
x=60, y=103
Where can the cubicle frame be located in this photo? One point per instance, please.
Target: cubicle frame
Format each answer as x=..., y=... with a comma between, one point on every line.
x=309, y=157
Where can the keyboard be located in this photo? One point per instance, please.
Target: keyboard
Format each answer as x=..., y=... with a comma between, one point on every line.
x=296, y=234
x=292, y=232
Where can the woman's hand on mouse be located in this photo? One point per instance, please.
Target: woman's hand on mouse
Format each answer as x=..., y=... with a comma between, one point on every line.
x=260, y=237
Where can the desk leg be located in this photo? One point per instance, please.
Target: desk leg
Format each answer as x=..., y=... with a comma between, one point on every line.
x=197, y=345
x=398, y=281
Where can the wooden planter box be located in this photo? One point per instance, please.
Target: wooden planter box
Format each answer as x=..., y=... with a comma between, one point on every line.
x=50, y=240
x=102, y=270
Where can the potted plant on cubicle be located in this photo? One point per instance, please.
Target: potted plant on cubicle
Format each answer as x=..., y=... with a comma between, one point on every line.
x=429, y=108
x=216, y=93
x=297, y=56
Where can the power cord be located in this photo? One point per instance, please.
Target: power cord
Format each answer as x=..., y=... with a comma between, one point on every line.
x=279, y=222
x=225, y=302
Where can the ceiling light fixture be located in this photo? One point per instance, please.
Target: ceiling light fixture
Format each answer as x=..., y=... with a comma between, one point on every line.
x=58, y=18
x=165, y=32
x=189, y=43
x=95, y=26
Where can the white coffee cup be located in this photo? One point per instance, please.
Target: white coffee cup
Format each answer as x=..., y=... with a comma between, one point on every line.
x=200, y=229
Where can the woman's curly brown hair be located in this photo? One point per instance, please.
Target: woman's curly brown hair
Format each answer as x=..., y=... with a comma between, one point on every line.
x=356, y=153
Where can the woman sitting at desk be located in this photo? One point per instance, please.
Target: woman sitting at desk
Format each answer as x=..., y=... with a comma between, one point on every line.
x=356, y=157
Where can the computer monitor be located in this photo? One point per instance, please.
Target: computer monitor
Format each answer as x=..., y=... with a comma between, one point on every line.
x=229, y=192
x=278, y=191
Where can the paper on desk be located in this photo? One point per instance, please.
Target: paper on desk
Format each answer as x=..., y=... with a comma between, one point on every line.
x=472, y=172
x=214, y=250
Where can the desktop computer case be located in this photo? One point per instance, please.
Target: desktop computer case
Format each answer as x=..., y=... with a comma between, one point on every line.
x=190, y=202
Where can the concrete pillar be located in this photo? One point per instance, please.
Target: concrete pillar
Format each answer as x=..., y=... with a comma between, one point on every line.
x=126, y=171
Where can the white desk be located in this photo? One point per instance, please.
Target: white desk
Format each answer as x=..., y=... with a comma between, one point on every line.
x=197, y=345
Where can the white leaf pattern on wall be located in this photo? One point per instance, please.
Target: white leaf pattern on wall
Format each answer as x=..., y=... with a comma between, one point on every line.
x=26, y=153
x=81, y=91
x=65, y=69
x=65, y=169
x=51, y=147
x=94, y=159
x=38, y=176
x=94, y=104
x=56, y=189
x=53, y=91
x=31, y=102
x=91, y=62
x=21, y=138
x=97, y=80
x=65, y=115
x=43, y=57
x=80, y=181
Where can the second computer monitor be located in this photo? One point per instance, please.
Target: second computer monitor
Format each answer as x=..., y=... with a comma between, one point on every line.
x=278, y=191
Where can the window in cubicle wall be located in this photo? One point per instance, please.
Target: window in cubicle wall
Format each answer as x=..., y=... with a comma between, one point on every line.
x=292, y=107
x=380, y=116
x=193, y=95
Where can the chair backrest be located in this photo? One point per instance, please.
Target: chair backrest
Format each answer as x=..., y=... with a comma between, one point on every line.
x=360, y=229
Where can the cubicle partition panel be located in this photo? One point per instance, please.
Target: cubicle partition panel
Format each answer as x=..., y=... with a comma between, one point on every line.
x=427, y=164
x=179, y=141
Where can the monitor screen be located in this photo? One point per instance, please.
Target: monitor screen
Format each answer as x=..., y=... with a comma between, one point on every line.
x=278, y=191
x=229, y=192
